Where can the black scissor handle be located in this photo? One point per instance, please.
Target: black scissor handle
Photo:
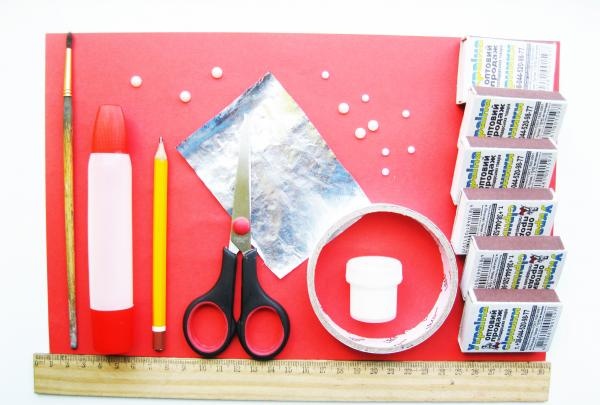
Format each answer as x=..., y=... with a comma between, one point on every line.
x=220, y=296
x=254, y=298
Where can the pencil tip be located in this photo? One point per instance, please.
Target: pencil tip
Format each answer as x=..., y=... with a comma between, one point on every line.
x=160, y=151
x=69, y=40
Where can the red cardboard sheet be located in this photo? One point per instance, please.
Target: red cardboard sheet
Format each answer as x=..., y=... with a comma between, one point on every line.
x=414, y=73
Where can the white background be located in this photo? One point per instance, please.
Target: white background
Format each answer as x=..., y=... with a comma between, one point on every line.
x=575, y=352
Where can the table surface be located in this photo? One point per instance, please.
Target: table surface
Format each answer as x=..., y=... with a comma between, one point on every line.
x=573, y=355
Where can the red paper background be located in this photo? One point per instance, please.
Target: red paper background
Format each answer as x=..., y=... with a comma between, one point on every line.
x=416, y=73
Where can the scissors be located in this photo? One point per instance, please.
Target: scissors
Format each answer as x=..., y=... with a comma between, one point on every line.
x=221, y=296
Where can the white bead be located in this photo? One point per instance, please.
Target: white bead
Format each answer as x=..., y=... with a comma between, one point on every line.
x=185, y=96
x=343, y=108
x=411, y=149
x=360, y=133
x=385, y=152
x=365, y=98
x=373, y=125
x=216, y=72
x=325, y=75
x=385, y=171
x=136, y=81
x=406, y=113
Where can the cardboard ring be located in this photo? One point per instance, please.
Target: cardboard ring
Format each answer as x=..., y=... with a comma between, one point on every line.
x=424, y=329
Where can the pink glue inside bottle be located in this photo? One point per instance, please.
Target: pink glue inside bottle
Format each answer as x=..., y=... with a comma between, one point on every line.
x=110, y=243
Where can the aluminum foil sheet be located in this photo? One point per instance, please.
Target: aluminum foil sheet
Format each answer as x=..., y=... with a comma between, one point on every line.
x=298, y=187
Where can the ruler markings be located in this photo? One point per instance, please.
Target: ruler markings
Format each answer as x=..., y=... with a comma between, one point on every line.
x=309, y=380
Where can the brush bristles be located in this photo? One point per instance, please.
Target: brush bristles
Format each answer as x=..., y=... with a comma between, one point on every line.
x=69, y=40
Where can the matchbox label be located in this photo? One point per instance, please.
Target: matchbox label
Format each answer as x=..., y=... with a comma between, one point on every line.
x=516, y=169
x=501, y=168
x=500, y=218
x=519, y=169
x=522, y=270
x=511, y=64
x=508, y=327
x=512, y=118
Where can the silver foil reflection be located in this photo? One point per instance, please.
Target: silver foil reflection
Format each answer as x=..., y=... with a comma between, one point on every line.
x=298, y=186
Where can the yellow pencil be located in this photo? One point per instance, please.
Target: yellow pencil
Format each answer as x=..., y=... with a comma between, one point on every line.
x=159, y=249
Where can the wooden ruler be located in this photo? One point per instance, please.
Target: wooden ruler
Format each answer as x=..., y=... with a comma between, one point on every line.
x=298, y=380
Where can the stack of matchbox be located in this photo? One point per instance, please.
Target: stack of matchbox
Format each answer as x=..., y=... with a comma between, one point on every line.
x=501, y=186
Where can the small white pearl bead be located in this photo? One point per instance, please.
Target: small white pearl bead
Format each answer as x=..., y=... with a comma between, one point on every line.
x=373, y=125
x=343, y=108
x=405, y=113
x=385, y=152
x=385, y=171
x=185, y=96
x=216, y=72
x=136, y=81
x=411, y=149
x=360, y=133
x=365, y=98
x=325, y=75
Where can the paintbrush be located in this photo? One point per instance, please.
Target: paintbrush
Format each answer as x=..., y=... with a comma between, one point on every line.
x=68, y=189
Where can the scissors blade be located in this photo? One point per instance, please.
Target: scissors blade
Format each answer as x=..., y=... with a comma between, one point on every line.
x=241, y=195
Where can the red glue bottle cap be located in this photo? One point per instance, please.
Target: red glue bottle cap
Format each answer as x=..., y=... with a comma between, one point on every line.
x=109, y=130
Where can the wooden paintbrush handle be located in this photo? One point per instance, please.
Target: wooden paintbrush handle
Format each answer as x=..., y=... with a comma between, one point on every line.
x=69, y=222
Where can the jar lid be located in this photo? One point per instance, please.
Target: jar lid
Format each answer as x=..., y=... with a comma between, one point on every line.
x=374, y=271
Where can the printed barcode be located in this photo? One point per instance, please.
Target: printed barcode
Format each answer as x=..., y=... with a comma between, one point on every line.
x=473, y=218
x=543, y=82
x=543, y=171
x=545, y=333
x=552, y=119
x=484, y=267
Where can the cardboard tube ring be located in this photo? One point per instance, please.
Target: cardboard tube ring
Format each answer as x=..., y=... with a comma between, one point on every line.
x=424, y=329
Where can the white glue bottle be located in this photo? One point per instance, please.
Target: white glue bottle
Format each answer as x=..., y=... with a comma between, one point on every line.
x=110, y=242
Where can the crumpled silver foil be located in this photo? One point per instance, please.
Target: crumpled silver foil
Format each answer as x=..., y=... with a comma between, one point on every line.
x=298, y=186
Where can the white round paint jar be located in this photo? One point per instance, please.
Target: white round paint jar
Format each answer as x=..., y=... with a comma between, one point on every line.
x=374, y=284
